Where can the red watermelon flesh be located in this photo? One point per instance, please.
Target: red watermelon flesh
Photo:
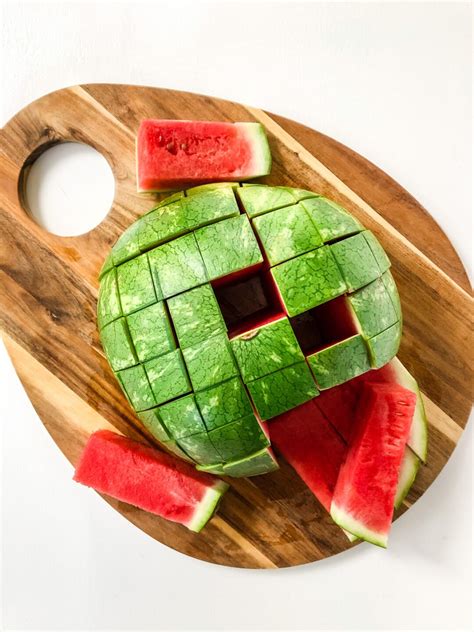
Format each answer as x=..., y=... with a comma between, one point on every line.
x=309, y=443
x=149, y=479
x=364, y=495
x=176, y=154
x=339, y=404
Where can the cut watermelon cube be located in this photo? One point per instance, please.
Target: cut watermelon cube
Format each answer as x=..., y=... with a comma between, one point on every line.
x=175, y=154
x=149, y=479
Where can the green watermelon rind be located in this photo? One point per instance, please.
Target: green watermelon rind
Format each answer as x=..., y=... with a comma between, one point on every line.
x=357, y=528
x=258, y=138
x=207, y=506
x=408, y=471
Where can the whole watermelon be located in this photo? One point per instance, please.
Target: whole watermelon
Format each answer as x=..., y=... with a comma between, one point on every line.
x=227, y=305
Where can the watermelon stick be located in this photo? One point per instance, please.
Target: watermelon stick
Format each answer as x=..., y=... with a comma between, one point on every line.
x=149, y=479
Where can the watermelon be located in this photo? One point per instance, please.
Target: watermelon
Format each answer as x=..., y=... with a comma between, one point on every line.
x=364, y=496
x=172, y=154
x=151, y=480
x=309, y=443
x=228, y=304
x=339, y=404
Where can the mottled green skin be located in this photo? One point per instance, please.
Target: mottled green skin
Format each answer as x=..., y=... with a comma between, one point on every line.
x=308, y=280
x=228, y=246
x=136, y=386
x=390, y=286
x=108, y=305
x=196, y=315
x=379, y=253
x=177, y=265
x=256, y=464
x=152, y=421
x=340, y=362
x=331, y=220
x=286, y=233
x=278, y=392
x=210, y=362
x=117, y=345
x=182, y=418
x=258, y=199
x=167, y=376
x=239, y=438
x=384, y=346
x=151, y=332
x=135, y=285
x=373, y=308
x=209, y=205
x=156, y=282
x=224, y=403
x=355, y=261
x=267, y=349
x=201, y=449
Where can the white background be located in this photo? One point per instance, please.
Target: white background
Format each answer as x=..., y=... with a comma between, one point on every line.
x=392, y=81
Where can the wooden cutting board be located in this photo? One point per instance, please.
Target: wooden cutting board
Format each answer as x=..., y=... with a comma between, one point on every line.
x=48, y=293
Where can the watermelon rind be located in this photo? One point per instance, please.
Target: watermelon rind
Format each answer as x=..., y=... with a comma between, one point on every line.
x=331, y=220
x=418, y=438
x=408, y=471
x=256, y=135
x=216, y=468
x=207, y=506
x=350, y=524
x=356, y=261
x=261, y=462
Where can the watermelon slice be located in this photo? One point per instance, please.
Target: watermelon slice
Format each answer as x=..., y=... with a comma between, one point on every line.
x=148, y=479
x=309, y=443
x=364, y=495
x=175, y=154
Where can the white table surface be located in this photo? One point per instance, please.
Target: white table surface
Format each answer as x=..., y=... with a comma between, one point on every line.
x=390, y=80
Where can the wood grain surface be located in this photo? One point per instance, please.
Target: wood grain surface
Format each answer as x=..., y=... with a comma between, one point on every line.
x=48, y=293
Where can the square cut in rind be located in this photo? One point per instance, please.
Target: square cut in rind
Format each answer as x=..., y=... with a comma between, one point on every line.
x=308, y=280
x=182, y=418
x=174, y=448
x=356, y=261
x=177, y=265
x=331, y=220
x=261, y=462
x=373, y=308
x=115, y=339
x=126, y=245
x=392, y=290
x=224, y=403
x=201, y=449
x=196, y=315
x=257, y=199
x=377, y=250
x=286, y=233
x=280, y=391
x=161, y=225
x=210, y=361
x=210, y=205
x=228, y=246
x=108, y=305
x=136, y=386
x=340, y=362
x=152, y=422
x=151, y=332
x=266, y=349
x=167, y=376
x=135, y=284
x=239, y=438
x=384, y=346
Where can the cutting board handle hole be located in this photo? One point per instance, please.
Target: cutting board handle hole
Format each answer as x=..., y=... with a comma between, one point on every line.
x=67, y=188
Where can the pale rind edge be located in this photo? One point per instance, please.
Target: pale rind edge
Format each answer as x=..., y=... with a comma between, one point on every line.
x=349, y=523
x=257, y=137
x=207, y=506
x=408, y=471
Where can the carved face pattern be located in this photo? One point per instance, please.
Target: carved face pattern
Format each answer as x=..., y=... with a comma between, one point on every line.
x=227, y=305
